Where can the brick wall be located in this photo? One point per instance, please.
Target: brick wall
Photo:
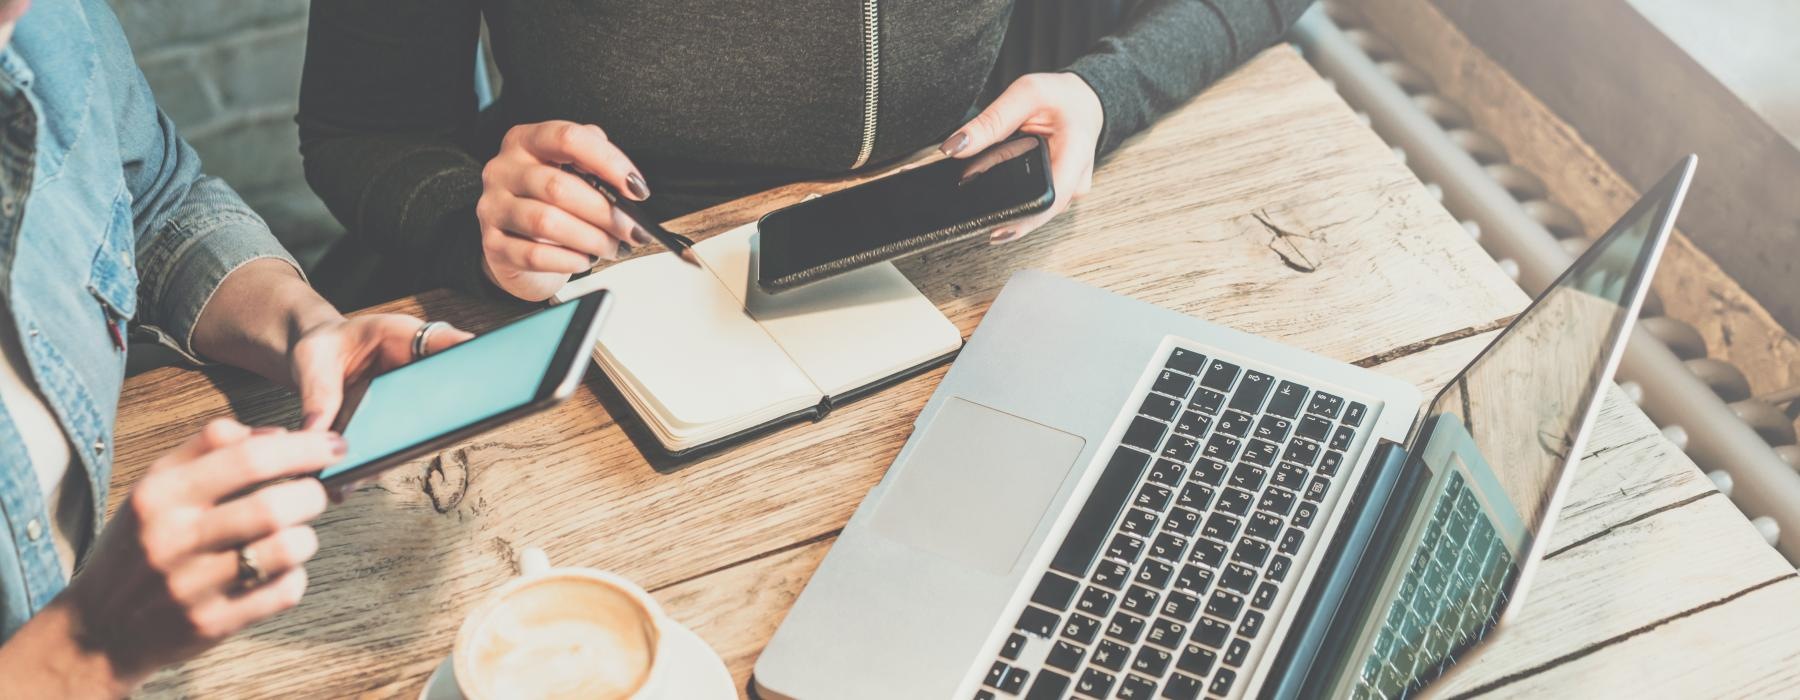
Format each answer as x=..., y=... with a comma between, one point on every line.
x=228, y=73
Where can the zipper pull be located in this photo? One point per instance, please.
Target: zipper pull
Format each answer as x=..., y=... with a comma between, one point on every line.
x=118, y=336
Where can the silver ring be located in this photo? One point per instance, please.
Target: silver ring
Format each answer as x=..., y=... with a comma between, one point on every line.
x=422, y=336
x=250, y=574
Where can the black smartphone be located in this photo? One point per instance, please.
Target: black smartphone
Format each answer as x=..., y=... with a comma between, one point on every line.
x=492, y=379
x=903, y=213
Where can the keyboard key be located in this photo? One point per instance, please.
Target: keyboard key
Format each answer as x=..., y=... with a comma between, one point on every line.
x=1276, y=500
x=1125, y=548
x=1315, y=489
x=1014, y=643
x=1151, y=661
x=1180, y=448
x=1154, y=574
x=1234, y=424
x=1160, y=407
x=1340, y=440
x=1251, y=552
x=1208, y=552
x=1182, y=687
x=1253, y=623
x=1221, y=527
x=1251, y=392
x=1153, y=497
x=996, y=673
x=1111, y=655
x=1095, y=601
x=1333, y=461
x=1139, y=522
x=1301, y=452
x=985, y=694
x=1314, y=428
x=1145, y=433
x=1197, y=659
x=1196, y=495
x=1169, y=473
x=1166, y=633
x=1094, y=683
x=1111, y=574
x=1181, y=606
x=1182, y=521
x=1237, y=578
x=1182, y=360
x=1236, y=501
x=1219, y=375
x=1324, y=404
x=1261, y=453
x=1287, y=399
x=1015, y=679
x=1169, y=547
x=1125, y=628
x=1304, y=514
x=1222, y=447
x=1289, y=476
x=1174, y=384
x=1224, y=605
x=1194, y=578
x=1290, y=542
x=1274, y=428
x=1221, y=683
x=1206, y=401
x=1081, y=628
x=1234, y=654
x=1116, y=484
x=1278, y=568
x=1265, y=596
x=1212, y=633
x=1065, y=656
x=1263, y=526
x=1049, y=685
x=1140, y=600
x=1136, y=688
x=1055, y=591
x=1193, y=423
x=1039, y=622
x=1353, y=416
x=1210, y=471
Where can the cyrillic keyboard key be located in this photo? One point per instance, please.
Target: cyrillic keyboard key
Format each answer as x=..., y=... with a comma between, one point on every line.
x=1140, y=601
x=1194, y=578
x=1160, y=407
x=1174, y=384
x=1221, y=527
x=1274, y=428
x=1038, y=622
x=1314, y=428
x=1251, y=552
x=1236, y=502
x=1206, y=401
x=1181, y=606
x=1301, y=452
x=1153, y=497
x=1210, y=471
x=1150, y=661
x=1221, y=447
x=1111, y=655
x=1237, y=578
x=1065, y=656
x=1276, y=500
x=1111, y=574
x=1185, y=361
x=1261, y=453
x=1094, y=683
x=1197, y=660
x=1224, y=605
x=1219, y=375
x=1154, y=574
x=1145, y=433
x=1263, y=526
x=1125, y=628
x=1234, y=424
x=1287, y=399
x=1136, y=688
x=1325, y=405
x=1290, y=542
x=1166, y=633
x=1211, y=633
x=1082, y=545
x=1251, y=391
x=1081, y=628
x=1193, y=424
x=1196, y=495
x=1055, y=591
x=1208, y=552
x=1095, y=601
x=1181, y=687
x=1169, y=472
x=1289, y=476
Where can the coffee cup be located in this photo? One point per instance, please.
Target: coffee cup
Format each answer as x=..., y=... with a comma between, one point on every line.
x=563, y=632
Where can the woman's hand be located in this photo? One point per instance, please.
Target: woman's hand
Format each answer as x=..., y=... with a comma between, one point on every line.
x=1057, y=106
x=164, y=581
x=539, y=225
x=336, y=354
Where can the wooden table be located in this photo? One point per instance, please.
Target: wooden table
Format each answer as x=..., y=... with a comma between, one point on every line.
x=1656, y=584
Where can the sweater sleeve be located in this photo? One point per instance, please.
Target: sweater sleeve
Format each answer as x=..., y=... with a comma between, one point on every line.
x=387, y=108
x=1167, y=51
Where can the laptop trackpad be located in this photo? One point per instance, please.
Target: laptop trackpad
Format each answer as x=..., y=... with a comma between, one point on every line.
x=976, y=485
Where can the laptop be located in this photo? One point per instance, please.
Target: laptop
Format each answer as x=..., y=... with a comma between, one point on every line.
x=1106, y=499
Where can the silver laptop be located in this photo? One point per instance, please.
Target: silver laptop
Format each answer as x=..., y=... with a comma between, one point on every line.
x=1108, y=499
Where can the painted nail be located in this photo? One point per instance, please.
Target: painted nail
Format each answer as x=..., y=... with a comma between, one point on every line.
x=338, y=446
x=955, y=144
x=640, y=190
x=641, y=236
x=593, y=260
x=1003, y=236
x=624, y=249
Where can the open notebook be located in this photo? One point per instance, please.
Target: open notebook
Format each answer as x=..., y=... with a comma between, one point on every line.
x=705, y=358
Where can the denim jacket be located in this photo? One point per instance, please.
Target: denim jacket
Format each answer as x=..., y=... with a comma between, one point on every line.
x=106, y=225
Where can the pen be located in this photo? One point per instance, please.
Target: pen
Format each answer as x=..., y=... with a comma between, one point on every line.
x=681, y=246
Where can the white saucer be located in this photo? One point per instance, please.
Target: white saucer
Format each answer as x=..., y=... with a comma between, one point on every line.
x=701, y=675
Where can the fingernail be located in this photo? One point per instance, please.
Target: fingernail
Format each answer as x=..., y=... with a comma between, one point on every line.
x=1003, y=236
x=641, y=236
x=640, y=190
x=338, y=446
x=955, y=144
x=624, y=249
x=593, y=260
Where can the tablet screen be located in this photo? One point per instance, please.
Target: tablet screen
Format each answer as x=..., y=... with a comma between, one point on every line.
x=488, y=375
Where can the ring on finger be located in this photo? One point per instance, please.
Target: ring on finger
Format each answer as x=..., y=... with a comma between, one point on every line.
x=250, y=574
x=423, y=336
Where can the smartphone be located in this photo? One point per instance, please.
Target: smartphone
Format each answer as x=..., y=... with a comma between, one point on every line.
x=487, y=381
x=903, y=213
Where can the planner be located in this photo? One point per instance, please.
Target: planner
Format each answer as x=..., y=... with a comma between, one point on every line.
x=706, y=359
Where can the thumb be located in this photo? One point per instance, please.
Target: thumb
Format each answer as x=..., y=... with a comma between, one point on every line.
x=1007, y=113
x=445, y=338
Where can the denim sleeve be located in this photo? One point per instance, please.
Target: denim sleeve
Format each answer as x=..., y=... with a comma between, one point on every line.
x=192, y=230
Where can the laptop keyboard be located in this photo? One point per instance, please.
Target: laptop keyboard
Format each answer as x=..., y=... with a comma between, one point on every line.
x=1167, y=577
x=1453, y=585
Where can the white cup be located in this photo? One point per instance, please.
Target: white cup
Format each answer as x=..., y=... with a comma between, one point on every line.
x=617, y=647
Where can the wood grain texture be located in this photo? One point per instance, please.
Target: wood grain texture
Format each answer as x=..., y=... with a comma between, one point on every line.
x=728, y=542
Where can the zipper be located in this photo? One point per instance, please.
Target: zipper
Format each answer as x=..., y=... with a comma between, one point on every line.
x=871, y=79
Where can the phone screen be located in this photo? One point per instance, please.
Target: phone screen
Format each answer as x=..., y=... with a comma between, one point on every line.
x=1011, y=176
x=488, y=375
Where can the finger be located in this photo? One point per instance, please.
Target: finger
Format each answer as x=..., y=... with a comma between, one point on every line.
x=995, y=156
x=538, y=220
x=586, y=146
x=532, y=256
x=444, y=338
x=568, y=192
x=227, y=616
x=218, y=433
x=260, y=459
x=995, y=123
x=319, y=372
x=216, y=573
x=261, y=513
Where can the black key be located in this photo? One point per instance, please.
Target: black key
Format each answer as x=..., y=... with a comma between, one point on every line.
x=1315, y=489
x=1139, y=521
x=1276, y=500
x=1221, y=527
x=1234, y=424
x=1212, y=633
x=1065, y=656
x=1263, y=526
x=1221, y=684
x=1169, y=547
x=1301, y=452
x=1150, y=661
x=1181, y=606
x=1261, y=453
x=1111, y=574
x=1265, y=596
x=1014, y=643
x=1145, y=433
x=1037, y=621
x=1234, y=654
x=1196, y=495
x=1153, y=497
x=1236, y=501
x=1095, y=601
x=1206, y=401
x=1180, y=448
x=1055, y=591
x=1111, y=655
x=1312, y=428
x=1237, y=578
x=1135, y=688
x=1248, y=477
x=1287, y=398
x=1290, y=542
x=1223, y=604
x=1208, y=552
x=1140, y=600
x=1197, y=659
x=1094, y=683
x=1304, y=514
x=1125, y=548
x=1169, y=473
x=1194, y=578
x=1278, y=568
x=1081, y=628
x=1125, y=628
x=985, y=694
x=1353, y=416
x=997, y=673
x=1154, y=574
x=1325, y=405
x=1182, y=687
x=1274, y=428
x=1182, y=521
x=1289, y=476
x=1160, y=407
x=1193, y=423
x=1251, y=552
x=1166, y=633
x=1219, y=375
x=1015, y=679
x=1185, y=361
x=1049, y=685
x=1222, y=447
x=1210, y=471
x=1251, y=392
x=1253, y=623
x=1174, y=384
x=1333, y=461
x=1340, y=440
x=1086, y=536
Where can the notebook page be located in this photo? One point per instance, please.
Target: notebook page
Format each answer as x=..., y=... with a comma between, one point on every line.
x=844, y=332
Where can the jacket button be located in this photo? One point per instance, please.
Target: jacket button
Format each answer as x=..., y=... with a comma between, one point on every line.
x=99, y=446
x=34, y=530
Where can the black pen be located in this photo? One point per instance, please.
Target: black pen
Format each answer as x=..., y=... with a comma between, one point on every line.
x=681, y=246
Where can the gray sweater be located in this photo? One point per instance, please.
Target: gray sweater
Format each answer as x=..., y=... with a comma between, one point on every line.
x=712, y=99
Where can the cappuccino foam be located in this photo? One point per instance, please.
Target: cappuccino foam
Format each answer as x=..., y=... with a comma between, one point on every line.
x=564, y=638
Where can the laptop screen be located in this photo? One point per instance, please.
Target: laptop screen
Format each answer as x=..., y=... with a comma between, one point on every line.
x=1495, y=445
